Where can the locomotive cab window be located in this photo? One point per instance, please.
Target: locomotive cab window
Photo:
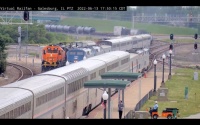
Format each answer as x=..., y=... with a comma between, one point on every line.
x=44, y=52
x=59, y=52
x=79, y=53
x=55, y=50
x=72, y=53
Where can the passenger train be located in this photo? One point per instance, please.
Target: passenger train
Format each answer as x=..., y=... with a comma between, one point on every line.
x=83, y=50
x=59, y=93
x=103, y=46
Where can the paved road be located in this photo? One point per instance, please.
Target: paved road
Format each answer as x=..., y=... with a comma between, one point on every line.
x=196, y=116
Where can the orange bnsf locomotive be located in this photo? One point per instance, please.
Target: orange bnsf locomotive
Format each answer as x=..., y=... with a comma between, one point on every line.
x=53, y=56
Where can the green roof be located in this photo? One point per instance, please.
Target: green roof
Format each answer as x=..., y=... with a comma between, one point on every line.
x=121, y=75
x=106, y=84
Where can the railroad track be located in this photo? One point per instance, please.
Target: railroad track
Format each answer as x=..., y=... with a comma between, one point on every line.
x=159, y=49
x=24, y=71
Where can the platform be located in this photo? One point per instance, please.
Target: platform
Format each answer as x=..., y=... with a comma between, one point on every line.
x=131, y=95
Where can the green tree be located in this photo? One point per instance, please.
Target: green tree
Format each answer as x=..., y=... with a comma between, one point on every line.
x=4, y=39
x=198, y=26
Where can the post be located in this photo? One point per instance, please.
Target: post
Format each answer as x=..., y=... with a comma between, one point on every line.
x=26, y=44
x=170, y=61
x=140, y=89
x=19, y=41
x=119, y=95
x=154, y=78
x=16, y=53
x=109, y=99
x=105, y=96
x=104, y=109
x=163, y=71
x=133, y=21
x=123, y=100
x=33, y=62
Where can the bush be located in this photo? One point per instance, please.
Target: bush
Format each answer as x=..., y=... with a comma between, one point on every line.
x=2, y=66
x=43, y=40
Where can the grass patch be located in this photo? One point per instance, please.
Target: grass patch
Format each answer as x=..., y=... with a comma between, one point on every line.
x=176, y=87
x=61, y=37
x=108, y=26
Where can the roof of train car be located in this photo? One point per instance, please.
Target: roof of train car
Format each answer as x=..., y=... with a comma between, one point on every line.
x=36, y=84
x=8, y=96
x=146, y=49
x=138, y=37
x=105, y=46
x=89, y=64
x=139, y=51
x=145, y=35
x=85, y=49
x=125, y=39
x=103, y=57
x=68, y=71
x=113, y=41
x=87, y=42
x=75, y=49
x=119, y=54
x=132, y=55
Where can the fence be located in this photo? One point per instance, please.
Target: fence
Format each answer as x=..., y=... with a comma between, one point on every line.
x=131, y=113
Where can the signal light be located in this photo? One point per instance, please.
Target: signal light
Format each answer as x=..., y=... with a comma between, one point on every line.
x=171, y=46
x=195, y=46
x=196, y=36
x=26, y=15
x=171, y=36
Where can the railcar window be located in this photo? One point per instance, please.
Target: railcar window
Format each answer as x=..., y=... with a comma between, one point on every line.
x=73, y=86
x=72, y=53
x=43, y=99
x=101, y=71
x=76, y=85
x=7, y=115
x=2, y=116
x=93, y=75
x=11, y=114
x=80, y=53
x=124, y=61
x=76, y=88
x=17, y=110
x=112, y=66
x=134, y=42
x=22, y=108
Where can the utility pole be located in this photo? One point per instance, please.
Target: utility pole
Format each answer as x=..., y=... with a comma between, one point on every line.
x=19, y=42
x=26, y=18
x=26, y=44
x=133, y=20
